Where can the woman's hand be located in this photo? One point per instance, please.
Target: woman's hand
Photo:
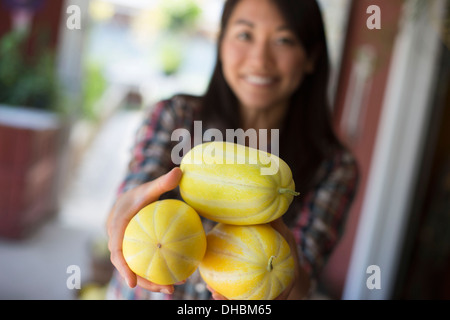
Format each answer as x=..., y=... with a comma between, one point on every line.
x=125, y=208
x=215, y=295
x=299, y=287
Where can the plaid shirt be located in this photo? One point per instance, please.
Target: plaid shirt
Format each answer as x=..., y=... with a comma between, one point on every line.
x=318, y=223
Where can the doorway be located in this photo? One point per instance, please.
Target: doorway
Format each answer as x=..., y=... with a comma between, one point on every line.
x=425, y=263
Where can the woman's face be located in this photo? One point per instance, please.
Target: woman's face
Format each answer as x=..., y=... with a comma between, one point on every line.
x=262, y=59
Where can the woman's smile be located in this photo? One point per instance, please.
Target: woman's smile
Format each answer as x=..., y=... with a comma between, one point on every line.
x=259, y=80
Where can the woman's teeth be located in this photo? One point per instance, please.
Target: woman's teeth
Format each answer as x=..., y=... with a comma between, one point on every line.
x=258, y=80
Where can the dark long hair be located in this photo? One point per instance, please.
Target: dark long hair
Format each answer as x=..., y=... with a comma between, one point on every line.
x=307, y=136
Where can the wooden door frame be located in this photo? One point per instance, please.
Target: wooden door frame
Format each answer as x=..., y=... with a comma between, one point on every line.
x=399, y=145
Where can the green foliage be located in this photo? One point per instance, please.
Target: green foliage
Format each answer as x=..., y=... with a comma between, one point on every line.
x=94, y=85
x=28, y=81
x=180, y=17
x=181, y=14
x=171, y=56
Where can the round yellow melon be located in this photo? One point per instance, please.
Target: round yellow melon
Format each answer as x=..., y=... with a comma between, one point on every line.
x=164, y=242
x=235, y=184
x=247, y=262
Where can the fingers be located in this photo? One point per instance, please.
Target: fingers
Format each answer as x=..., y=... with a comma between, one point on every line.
x=285, y=294
x=215, y=295
x=150, y=192
x=153, y=190
x=294, y=286
x=168, y=181
x=280, y=226
x=283, y=229
x=121, y=266
x=148, y=285
x=116, y=233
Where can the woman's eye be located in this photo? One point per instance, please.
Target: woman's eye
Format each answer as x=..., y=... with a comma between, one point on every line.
x=286, y=41
x=244, y=36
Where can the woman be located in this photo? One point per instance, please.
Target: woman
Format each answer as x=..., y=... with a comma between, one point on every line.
x=271, y=73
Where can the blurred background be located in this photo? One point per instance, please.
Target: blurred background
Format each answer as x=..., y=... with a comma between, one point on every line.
x=76, y=76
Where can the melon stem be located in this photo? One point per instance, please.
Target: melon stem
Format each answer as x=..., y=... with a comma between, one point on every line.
x=270, y=264
x=288, y=191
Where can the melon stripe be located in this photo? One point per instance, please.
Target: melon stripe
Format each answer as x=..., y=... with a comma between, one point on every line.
x=235, y=217
x=230, y=204
x=173, y=222
x=166, y=266
x=235, y=241
x=155, y=210
x=184, y=239
x=228, y=180
x=261, y=285
x=179, y=255
x=233, y=256
x=130, y=258
x=139, y=222
x=225, y=277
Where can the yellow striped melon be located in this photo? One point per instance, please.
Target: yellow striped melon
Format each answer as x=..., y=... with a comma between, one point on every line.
x=235, y=184
x=247, y=262
x=164, y=242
